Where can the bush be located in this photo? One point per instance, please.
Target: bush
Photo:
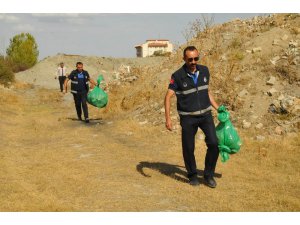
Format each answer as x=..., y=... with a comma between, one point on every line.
x=22, y=52
x=235, y=43
x=6, y=74
x=161, y=53
x=236, y=55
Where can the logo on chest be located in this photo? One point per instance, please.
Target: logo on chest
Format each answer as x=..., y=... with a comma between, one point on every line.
x=184, y=84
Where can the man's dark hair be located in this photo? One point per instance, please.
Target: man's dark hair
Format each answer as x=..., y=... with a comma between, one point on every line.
x=189, y=48
x=79, y=63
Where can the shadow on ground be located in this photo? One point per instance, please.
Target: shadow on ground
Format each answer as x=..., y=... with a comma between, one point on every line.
x=93, y=121
x=174, y=171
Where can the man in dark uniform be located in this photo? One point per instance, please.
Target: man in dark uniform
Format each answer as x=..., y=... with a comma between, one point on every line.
x=79, y=88
x=194, y=104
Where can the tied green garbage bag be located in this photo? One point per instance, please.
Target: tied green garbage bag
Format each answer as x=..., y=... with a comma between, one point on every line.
x=228, y=140
x=97, y=97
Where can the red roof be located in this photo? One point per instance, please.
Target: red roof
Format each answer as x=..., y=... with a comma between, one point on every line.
x=157, y=40
x=153, y=44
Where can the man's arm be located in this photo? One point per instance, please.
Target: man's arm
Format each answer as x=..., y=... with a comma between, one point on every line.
x=56, y=74
x=92, y=82
x=66, y=84
x=212, y=101
x=168, y=96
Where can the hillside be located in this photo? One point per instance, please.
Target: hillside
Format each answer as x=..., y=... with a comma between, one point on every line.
x=254, y=66
x=126, y=160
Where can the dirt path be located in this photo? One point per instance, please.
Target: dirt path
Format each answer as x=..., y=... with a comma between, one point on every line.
x=51, y=162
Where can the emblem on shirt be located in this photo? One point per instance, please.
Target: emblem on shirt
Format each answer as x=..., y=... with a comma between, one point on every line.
x=184, y=84
x=172, y=81
x=205, y=79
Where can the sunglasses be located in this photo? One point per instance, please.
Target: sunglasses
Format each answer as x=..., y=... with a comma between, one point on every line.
x=193, y=59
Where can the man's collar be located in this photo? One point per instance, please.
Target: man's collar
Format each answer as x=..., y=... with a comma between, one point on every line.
x=187, y=70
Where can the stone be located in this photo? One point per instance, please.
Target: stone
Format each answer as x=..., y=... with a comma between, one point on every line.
x=284, y=37
x=223, y=58
x=259, y=126
x=144, y=122
x=173, y=117
x=280, y=97
x=257, y=49
x=246, y=124
x=243, y=93
x=131, y=79
x=275, y=42
x=237, y=79
x=274, y=60
x=271, y=81
x=271, y=91
x=260, y=138
x=295, y=61
x=293, y=44
x=254, y=117
x=279, y=130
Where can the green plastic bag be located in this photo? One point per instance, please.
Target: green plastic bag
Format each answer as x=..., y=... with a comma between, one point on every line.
x=228, y=140
x=97, y=97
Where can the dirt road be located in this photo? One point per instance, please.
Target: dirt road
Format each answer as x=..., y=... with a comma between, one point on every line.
x=51, y=162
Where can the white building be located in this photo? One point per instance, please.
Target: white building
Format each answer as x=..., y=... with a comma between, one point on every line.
x=151, y=46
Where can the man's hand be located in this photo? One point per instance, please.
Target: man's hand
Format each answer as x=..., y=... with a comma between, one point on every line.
x=169, y=124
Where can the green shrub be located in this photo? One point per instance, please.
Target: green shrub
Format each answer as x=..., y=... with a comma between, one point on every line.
x=236, y=43
x=161, y=53
x=6, y=74
x=22, y=52
x=236, y=55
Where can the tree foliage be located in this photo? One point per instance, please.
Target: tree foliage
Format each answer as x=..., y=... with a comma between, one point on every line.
x=22, y=52
x=6, y=74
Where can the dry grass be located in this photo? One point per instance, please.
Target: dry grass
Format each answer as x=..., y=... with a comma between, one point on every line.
x=50, y=162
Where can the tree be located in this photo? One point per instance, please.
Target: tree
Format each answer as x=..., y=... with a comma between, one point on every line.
x=6, y=74
x=22, y=52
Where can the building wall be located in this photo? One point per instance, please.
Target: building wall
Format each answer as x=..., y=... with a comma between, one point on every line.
x=145, y=50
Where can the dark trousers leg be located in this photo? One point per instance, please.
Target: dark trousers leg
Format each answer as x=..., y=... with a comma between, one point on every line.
x=77, y=101
x=84, y=105
x=212, y=154
x=61, y=82
x=80, y=100
x=189, y=129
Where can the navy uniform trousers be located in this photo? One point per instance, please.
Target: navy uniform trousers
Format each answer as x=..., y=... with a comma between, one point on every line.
x=80, y=99
x=190, y=125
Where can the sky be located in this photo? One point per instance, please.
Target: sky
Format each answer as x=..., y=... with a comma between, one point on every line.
x=100, y=34
x=114, y=28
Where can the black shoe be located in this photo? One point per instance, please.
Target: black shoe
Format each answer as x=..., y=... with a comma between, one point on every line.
x=79, y=118
x=210, y=181
x=194, y=181
x=87, y=120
